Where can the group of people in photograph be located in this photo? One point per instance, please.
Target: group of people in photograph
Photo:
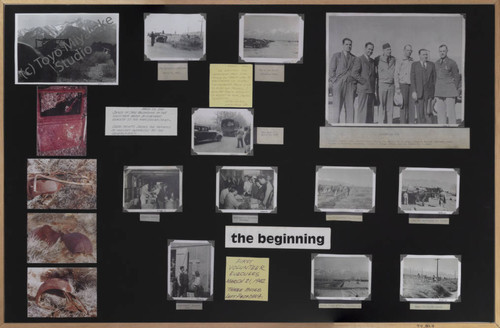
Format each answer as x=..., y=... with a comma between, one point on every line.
x=154, y=196
x=247, y=192
x=429, y=89
x=181, y=284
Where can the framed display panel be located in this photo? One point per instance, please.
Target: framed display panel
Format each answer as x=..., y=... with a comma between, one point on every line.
x=131, y=269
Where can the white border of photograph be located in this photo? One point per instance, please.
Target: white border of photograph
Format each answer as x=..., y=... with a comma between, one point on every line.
x=415, y=51
x=289, y=60
x=459, y=277
x=345, y=210
x=249, y=153
x=117, y=65
x=212, y=271
x=179, y=168
x=177, y=59
x=236, y=211
x=316, y=255
x=400, y=189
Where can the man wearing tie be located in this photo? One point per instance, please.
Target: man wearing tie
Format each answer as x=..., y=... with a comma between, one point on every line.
x=342, y=84
x=363, y=72
x=423, y=81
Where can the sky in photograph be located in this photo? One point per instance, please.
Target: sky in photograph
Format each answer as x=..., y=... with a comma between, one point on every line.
x=446, y=266
x=430, y=178
x=207, y=116
x=354, y=264
x=36, y=20
x=362, y=177
x=272, y=27
x=174, y=23
x=427, y=32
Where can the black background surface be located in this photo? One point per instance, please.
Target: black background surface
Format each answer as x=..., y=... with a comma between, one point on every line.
x=132, y=256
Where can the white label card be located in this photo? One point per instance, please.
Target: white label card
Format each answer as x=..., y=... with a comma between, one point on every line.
x=277, y=237
x=431, y=306
x=141, y=121
x=270, y=136
x=339, y=305
x=172, y=71
x=149, y=218
x=189, y=306
x=270, y=73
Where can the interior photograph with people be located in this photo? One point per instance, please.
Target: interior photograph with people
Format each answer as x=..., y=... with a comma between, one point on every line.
x=152, y=189
x=246, y=189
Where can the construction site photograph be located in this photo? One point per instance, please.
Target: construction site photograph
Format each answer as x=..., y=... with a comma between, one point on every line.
x=341, y=277
x=430, y=278
x=345, y=189
x=429, y=190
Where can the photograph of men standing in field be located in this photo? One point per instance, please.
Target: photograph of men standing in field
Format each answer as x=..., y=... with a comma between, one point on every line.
x=430, y=278
x=345, y=189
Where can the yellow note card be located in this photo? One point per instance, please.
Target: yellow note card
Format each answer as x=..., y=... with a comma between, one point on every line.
x=231, y=85
x=247, y=278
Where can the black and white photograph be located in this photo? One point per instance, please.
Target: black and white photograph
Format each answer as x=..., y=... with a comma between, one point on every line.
x=174, y=37
x=62, y=238
x=399, y=69
x=62, y=292
x=222, y=131
x=271, y=38
x=152, y=189
x=345, y=189
x=246, y=189
x=336, y=277
x=430, y=278
x=66, y=48
x=429, y=190
x=58, y=183
x=190, y=274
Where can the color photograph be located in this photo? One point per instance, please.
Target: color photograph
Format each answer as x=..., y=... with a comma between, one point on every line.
x=62, y=238
x=62, y=292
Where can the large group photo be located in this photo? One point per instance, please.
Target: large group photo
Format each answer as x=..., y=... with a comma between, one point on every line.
x=395, y=69
x=246, y=189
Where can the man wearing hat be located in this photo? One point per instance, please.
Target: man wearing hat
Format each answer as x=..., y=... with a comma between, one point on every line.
x=402, y=82
x=386, y=65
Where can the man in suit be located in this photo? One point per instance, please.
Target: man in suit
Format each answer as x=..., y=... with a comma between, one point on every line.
x=447, y=86
x=363, y=72
x=423, y=82
x=342, y=84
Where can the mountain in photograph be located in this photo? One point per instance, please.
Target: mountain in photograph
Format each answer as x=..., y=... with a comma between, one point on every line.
x=90, y=30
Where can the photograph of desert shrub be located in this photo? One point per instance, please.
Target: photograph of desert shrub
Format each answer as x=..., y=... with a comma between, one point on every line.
x=62, y=183
x=62, y=238
x=62, y=292
x=430, y=278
